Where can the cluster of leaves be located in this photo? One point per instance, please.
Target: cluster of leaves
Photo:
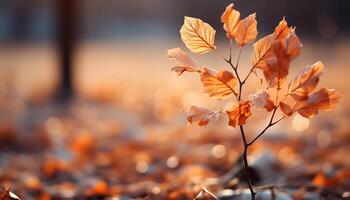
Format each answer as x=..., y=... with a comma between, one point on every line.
x=271, y=57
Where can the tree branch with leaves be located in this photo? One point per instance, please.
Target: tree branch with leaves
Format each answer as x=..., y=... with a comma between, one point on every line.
x=271, y=57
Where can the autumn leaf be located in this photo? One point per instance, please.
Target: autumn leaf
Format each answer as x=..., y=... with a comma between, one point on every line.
x=262, y=100
x=239, y=114
x=246, y=30
x=184, y=61
x=285, y=51
x=197, y=35
x=202, y=116
x=218, y=84
x=300, y=87
x=324, y=99
x=292, y=45
x=263, y=53
x=230, y=19
x=282, y=30
x=286, y=109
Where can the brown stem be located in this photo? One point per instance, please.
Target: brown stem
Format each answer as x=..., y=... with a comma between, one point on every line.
x=246, y=164
x=245, y=143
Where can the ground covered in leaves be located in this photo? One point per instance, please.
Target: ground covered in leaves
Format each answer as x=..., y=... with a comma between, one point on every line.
x=103, y=151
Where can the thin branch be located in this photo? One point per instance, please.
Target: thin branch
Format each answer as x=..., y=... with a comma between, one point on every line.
x=245, y=161
x=271, y=123
x=239, y=56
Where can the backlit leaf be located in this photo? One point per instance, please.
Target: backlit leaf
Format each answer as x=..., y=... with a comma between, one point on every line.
x=239, y=114
x=246, y=30
x=218, y=84
x=324, y=99
x=230, y=19
x=201, y=116
x=197, y=35
x=300, y=87
x=184, y=61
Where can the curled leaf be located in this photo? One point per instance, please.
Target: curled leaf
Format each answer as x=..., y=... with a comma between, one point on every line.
x=324, y=99
x=262, y=48
x=262, y=100
x=239, y=114
x=197, y=35
x=202, y=116
x=282, y=30
x=246, y=30
x=181, y=69
x=230, y=19
x=184, y=61
x=218, y=84
x=180, y=57
x=300, y=87
x=292, y=45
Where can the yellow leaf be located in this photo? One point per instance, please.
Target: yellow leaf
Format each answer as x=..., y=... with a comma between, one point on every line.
x=219, y=84
x=324, y=99
x=246, y=31
x=230, y=19
x=201, y=116
x=239, y=114
x=300, y=87
x=197, y=35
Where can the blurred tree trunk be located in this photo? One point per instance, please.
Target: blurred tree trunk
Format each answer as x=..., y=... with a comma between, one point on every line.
x=67, y=11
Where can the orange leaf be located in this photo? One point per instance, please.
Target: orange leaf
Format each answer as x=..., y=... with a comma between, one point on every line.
x=197, y=35
x=246, y=30
x=292, y=45
x=263, y=53
x=219, y=84
x=300, y=87
x=230, y=19
x=324, y=99
x=282, y=30
x=202, y=116
x=286, y=109
x=262, y=100
x=185, y=63
x=239, y=114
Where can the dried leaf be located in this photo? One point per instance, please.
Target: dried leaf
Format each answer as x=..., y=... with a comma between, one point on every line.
x=181, y=69
x=202, y=116
x=292, y=45
x=324, y=99
x=300, y=87
x=219, y=84
x=181, y=58
x=282, y=30
x=197, y=35
x=230, y=19
x=246, y=30
x=286, y=109
x=239, y=114
x=262, y=100
x=263, y=53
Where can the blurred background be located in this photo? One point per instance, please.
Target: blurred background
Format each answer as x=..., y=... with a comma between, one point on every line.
x=72, y=71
